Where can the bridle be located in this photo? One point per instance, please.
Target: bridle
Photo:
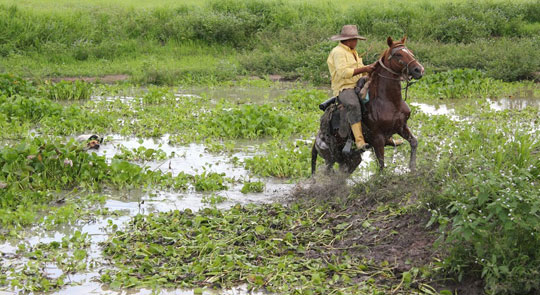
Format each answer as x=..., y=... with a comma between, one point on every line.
x=405, y=73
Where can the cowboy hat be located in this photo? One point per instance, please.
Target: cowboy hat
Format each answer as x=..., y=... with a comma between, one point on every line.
x=347, y=32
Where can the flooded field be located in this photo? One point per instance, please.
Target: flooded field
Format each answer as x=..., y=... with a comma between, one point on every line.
x=198, y=150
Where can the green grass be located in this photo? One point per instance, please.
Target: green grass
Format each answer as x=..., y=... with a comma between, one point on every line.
x=220, y=40
x=52, y=5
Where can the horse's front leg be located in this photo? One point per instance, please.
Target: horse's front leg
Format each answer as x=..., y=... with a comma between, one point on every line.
x=378, y=147
x=407, y=135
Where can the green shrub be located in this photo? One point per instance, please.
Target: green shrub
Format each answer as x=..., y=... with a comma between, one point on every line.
x=488, y=217
x=460, y=83
x=275, y=37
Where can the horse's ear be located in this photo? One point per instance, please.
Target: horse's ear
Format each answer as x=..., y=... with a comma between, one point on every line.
x=389, y=41
x=404, y=39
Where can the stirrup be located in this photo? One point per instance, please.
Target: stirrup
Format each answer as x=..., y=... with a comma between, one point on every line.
x=347, y=148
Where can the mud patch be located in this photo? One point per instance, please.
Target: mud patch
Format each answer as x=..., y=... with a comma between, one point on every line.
x=386, y=217
x=321, y=189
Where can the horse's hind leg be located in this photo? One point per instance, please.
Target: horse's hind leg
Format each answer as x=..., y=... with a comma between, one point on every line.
x=407, y=135
x=329, y=167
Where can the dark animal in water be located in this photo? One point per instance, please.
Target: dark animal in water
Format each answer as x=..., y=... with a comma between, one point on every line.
x=92, y=141
x=384, y=115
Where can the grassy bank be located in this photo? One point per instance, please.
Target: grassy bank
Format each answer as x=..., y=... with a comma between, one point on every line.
x=216, y=40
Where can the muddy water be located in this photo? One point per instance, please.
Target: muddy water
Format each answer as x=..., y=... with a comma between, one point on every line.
x=494, y=104
x=240, y=94
x=513, y=103
x=193, y=159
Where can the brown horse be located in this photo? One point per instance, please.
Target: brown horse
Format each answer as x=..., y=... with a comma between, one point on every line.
x=385, y=114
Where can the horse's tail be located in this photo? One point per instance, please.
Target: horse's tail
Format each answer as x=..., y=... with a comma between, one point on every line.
x=313, y=158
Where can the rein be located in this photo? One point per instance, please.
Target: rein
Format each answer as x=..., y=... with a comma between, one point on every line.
x=401, y=76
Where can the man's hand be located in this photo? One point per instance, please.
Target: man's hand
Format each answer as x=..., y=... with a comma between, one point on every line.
x=370, y=68
x=366, y=69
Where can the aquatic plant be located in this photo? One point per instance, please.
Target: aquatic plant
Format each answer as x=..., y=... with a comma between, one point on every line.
x=67, y=90
x=247, y=121
x=12, y=84
x=282, y=159
x=252, y=187
x=209, y=181
x=141, y=153
x=270, y=246
x=69, y=256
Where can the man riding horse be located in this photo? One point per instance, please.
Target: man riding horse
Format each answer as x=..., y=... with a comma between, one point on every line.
x=346, y=68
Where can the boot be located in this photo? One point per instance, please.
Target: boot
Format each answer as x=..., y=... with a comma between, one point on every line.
x=358, y=136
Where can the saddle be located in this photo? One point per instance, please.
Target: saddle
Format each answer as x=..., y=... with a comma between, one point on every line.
x=334, y=120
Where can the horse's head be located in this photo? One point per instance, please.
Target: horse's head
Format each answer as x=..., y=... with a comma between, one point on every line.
x=400, y=59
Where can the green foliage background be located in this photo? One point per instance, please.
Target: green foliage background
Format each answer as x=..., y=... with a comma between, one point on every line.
x=216, y=40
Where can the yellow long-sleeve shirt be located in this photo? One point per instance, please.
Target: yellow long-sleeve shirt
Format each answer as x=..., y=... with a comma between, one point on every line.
x=341, y=63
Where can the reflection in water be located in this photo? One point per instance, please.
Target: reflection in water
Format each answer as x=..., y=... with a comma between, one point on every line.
x=513, y=103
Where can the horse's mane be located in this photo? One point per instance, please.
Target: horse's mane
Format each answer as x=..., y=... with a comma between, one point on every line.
x=375, y=78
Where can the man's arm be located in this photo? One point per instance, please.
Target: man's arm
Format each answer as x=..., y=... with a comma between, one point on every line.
x=344, y=72
x=366, y=69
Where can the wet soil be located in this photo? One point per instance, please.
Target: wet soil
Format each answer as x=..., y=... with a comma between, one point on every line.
x=378, y=234
x=387, y=219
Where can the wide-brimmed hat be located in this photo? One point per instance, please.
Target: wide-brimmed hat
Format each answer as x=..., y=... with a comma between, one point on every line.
x=347, y=32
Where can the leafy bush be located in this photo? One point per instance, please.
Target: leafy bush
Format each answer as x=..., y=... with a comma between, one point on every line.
x=489, y=219
x=460, y=83
x=273, y=37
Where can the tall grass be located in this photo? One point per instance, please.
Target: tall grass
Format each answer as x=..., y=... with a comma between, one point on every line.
x=265, y=36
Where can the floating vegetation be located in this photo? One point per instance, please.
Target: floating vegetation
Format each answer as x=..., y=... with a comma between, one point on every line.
x=273, y=247
x=252, y=187
x=477, y=190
